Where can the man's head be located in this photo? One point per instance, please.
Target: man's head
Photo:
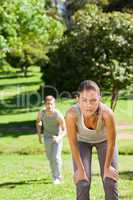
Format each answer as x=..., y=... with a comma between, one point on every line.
x=50, y=103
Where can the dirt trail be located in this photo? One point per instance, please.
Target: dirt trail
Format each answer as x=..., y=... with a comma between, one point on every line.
x=121, y=130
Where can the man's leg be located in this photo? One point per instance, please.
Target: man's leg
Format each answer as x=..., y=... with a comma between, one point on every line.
x=56, y=159
x=48, y=149
x=83, y=187
x=110, y=186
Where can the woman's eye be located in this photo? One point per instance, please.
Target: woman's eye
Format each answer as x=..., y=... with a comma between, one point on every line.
x=84, y=100
x=93, y=101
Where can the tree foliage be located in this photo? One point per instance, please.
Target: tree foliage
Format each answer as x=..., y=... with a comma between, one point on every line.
x=100, y=49
x=26, y=32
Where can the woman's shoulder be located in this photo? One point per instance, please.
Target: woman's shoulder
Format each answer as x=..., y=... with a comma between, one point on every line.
x=107, y=112
x=72, y=112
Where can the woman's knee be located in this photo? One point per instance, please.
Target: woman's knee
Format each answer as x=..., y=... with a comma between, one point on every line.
x=83, y=188
x=83, y=184
x=111, y=189
x=110, y=184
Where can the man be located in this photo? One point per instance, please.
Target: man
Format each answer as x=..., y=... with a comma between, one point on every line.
x=54, y=130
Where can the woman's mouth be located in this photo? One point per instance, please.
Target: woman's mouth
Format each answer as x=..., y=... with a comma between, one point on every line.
x=88, y=110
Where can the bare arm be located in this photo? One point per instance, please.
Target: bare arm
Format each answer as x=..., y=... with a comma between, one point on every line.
x=63, y=127
x=62, y=133
x=111, y=140
x=111, y=136
x=72, y=137
x=39, y=127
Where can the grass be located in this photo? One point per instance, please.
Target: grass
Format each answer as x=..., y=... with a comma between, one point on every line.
x=25, y=144
x=16, y=91
x=29, y=178
x=124, y=111
x=24, y=170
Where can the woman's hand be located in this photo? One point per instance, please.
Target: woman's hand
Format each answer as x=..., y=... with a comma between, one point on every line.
x=80, y=175
x=111, y=172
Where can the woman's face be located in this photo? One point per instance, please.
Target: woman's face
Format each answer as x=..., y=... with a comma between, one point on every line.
x=89, y=102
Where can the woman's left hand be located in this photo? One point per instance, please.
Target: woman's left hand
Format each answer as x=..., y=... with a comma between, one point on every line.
x=111, y=172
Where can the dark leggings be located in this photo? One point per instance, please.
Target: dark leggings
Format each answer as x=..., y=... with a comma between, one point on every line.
x=110, y=186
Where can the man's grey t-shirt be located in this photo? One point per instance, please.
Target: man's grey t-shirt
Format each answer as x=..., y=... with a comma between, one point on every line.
x=50, y=123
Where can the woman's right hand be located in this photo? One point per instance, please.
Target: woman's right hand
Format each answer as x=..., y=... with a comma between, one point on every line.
x=80, y=175
x=111, y=172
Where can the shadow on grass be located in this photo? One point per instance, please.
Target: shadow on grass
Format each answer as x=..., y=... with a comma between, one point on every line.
x=127, y=97
x=126, y=175
x=25, y=102
x=15, y=76
x=15, y=129
x=126, y=197
x=23, y=83
x=12, y=185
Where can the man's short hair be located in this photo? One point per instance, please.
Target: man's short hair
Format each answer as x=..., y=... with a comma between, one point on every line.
x=49, y=98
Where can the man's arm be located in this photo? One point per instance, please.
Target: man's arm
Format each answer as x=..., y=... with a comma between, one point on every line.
x=61, y=122
x=39, y=126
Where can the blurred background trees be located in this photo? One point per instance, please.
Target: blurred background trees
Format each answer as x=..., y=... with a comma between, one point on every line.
x=26, y=33
x=99, y=47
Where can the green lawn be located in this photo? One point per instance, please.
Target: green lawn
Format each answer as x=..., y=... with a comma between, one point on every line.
x=16, y=89
x=24, y=170
x=28, y=144
x=27, y=177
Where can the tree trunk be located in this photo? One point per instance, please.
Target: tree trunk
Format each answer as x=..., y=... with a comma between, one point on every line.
x=114, y=97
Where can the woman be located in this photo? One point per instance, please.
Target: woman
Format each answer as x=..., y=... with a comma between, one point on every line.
x=90, y=123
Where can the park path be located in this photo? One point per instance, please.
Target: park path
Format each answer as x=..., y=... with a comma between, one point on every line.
x=121, y=130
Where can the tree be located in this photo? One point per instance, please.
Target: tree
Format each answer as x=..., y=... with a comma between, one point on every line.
x=100, y=49
x=27, y=31
x=3, y=49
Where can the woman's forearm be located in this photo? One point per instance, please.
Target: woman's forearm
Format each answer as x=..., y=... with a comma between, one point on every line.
x=111, y=136
x=76, y=156
x=109, y=155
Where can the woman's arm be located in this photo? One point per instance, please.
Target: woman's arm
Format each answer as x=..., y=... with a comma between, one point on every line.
x=108, y=117
x=72, y=137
